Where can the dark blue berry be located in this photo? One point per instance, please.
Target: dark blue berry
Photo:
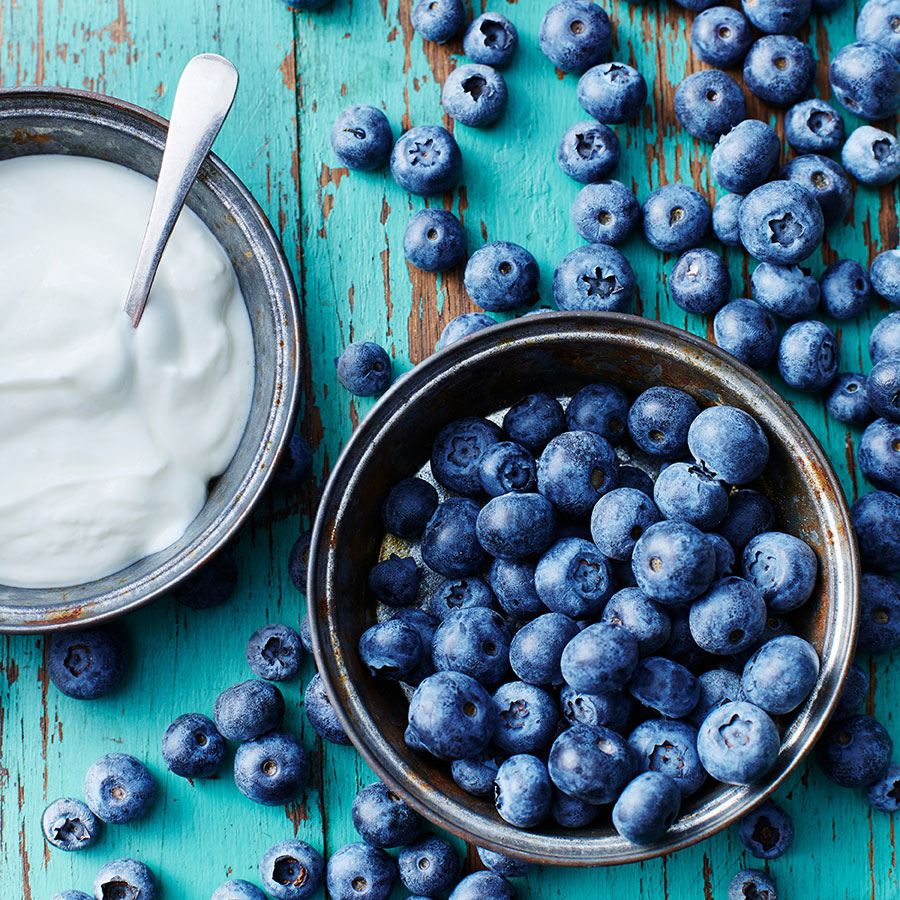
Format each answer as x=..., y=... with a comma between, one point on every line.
x=474, y=641
x=192, y=746
x=825, y=180
x=659, y=419
x=588, y=151
x=534, y=420
x=779, y=69
x=438, y=20
x=246, y=710
x=429, y=866
x=865, y=78
x=673, y=562
x=491, y=39
x=879, y=454
x=575, y=470
x=813, y=126
x=118, y=788
x=752, y=883
x=781, y=223
x=879, y=614
x=689, y=493
x=483, y=886
x=611, y=709
x=126, y=878
x=717, y=686
x=745, y=157
x=537, y=647
x=516, y=525
x=291, y=870
x=594, y=277
x=665, y=686
x=872, y=156
x=785, y=291
x=474, y=95
x=522, y=791
x=884, y=340
x=457, y=450
x=725, y=219
x=699, y=281
x=745, y=329
x=391, y=649
x=845, y=289
x=884, y=794
x=783, y=567
x=646, y=808
x=501, y=276
x=749, y=513
x=573, y=578
x=729, y=617
x=591, y=763
x=426, y=159
x=884, y=273
x=476, y=775
x=507, y=866
x=729, y=444
x=883, y=388
x=86, y=664
x=876, y=521
x=853, y=693
x=606, y=212
x=527, y=718
x=408, y=507
x=613, y=93
x=877, y=24
x=382, y=818
x=274, y=652
x=709, y=104
x=68, y=824
x=767, y=832
x=507, y=467
x=512, y=581
x=738, y=743
x=321, y=713
x=808, y=356
x=855, y=752
x=449, y=545
x=271, y=769
x=781, y=674
x=601, y=408
x=361, y=137
x=434, y=240
x=619, y=518
x=676, y=218
x=721, y=36
x=358, y=871
x=298, y=561
x=394, y=581
x=575, y=35
x=669, y=746
x=463, y=326
x=646, y=620
x=777, y=16
x=364, y=369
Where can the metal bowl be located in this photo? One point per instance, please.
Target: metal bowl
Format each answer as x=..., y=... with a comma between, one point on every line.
x=561, y=352
x=54, y=120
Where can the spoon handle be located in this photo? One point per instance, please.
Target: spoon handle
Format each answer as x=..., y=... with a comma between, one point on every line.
x=204, y=95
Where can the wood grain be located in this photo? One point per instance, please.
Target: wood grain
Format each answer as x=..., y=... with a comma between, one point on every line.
x=343, y=236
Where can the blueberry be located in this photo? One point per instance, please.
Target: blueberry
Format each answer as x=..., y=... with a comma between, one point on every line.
x=853, y=693
x=746, y=330
x=728, y=444
x=855, y=752
x=846, y=400
x=717, y=687
x=659, y=419
x=606, y=212
x=781, y=223
x=118, y=788
x=646, y=620
x=825, y=180
x=872, y=156
x=646, y=808
x=474, y=641
x=884, y=273
x=274, y=652
x=767, y=832
x=463, y=326
x=291, y=870
x=125, y=878
x=884, y=794
x=781, y=674
x=68, y=824
x=453, y=715
x=725, y=557
x=382, y=818
x=779, y=69
x=879, y=614
x=491, y=40
x=575, y=469
x=699, y=281
x=676, y=218
x=729, y=618
x=865, y=78
x=783, y=567
x=665, y=686
x=360, y=872
x=364, y=369
x=575, y=35
x=669, y=747
x=192, y=746
x=534, y=420
x=808, y=356
x=599, y=659
x=237, y=889
x=590, y=763
x=879, y=454
x=749, y=513
x=474, y=95
x=522, y=791
x=86, y=664
x=321, y=713
x=883, y=388
x=687, y=492
x=884, y=340
x=845, y=289
x=438, y=20
x=709, y=104
x=725, y=219
x=813, y=126
x=429, y=866
x=786, y=291
x=611, y=709
x=457, y=450
x=426, y=159
x=619, y=518
x=484, y=885
x=588, y=151
x=460, y=593
x=876, y=521
x=500, y=864
x=512, y=581
x=633, y=477
x=745, y=157
x=777, y=16
x=298, y=561
x=573, y=578
x=271, y=769
x=214, y=584
x=738, y=743
x=537, y=647
x=752, y=883
x=501, y=276
x=527, y=718
x=613, y=93
x=408, y=507
x=721, y=36
x=506, y=467
x=476, y=775
x=877, y=23
x=246, y=710
x=391, y=649
x=673, y=562
x=434, y=240
x=361, y=137
x=601, y=408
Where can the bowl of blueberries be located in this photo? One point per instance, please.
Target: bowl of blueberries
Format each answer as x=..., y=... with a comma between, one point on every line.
x=583, y=589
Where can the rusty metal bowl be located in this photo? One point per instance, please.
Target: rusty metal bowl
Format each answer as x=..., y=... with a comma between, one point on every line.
x=55, y=120
x=561, y=352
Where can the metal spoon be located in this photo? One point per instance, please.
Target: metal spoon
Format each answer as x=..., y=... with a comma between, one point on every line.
x=203, y=97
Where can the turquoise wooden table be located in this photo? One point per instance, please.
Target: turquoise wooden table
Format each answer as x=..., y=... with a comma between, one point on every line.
x=343, y=236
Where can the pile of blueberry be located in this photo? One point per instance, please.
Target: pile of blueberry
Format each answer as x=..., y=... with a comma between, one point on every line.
x=601, y=636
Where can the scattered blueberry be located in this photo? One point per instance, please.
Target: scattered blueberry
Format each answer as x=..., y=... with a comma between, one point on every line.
x=779, y=69
x=429, y=866
x=785, y=291
x=246, y=710
x=726, y=219
x=360, y=872
x=86, y=664
x=605, y=212
x=594, y=277
x=845, y=289
x=613, y=93
x=872, y=156
x=271, y=769
x=676, y=218
x=321, y=713
x=746, y=330
x=879, y=454
x=298, y=561
x=744, y=157
x=846, y=400
x=192, y=746
x=853, y=693
x=501, y=276
x=877, y=24
x=434, y=240
x=588, y=151
x=274, y=652
x=68, y=824
x=721, y=36
x=855, y=752
x=361, y=137
x=813, y=126
x=884, y=273
x=237, y=889
x=865, y=78
x=118, y=788
x=808, y=356
x=879, y=614
x=474, y=95
x=575, y=35
x=127, y=878
x=364, y=369
x=884, y=794
x=438, y=20
x=491, y=40
x=383, y=819
x=507, y=866
x=483, y=886
x=825, y=180
x=777, y=16
x=699, y=281
x=767, y=832
x=462, y=326
x=709, y=104
x=752, y=883
x=291, y=870
x=426, y=159
x=781, y=223
x=884, y=340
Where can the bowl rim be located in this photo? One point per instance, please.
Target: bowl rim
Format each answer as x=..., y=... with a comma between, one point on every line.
x=544, y=849
x=82, y=609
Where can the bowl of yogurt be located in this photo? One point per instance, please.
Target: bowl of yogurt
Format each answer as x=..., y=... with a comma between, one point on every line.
x=127, y=456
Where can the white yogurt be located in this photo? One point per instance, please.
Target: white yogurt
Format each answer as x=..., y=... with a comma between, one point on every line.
x=108, y=434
